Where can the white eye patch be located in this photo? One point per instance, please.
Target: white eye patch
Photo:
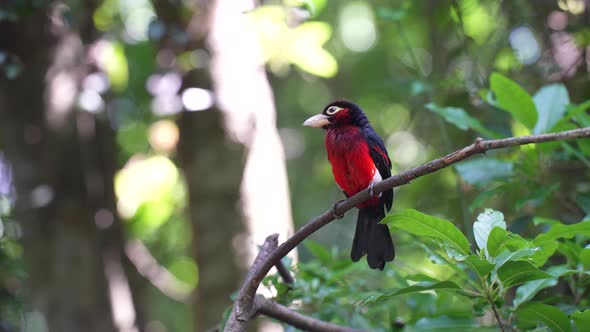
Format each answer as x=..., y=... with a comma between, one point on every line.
x=333, y=110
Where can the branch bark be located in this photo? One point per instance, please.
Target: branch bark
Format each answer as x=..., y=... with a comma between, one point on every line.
x=244, y=306
x=277, y=311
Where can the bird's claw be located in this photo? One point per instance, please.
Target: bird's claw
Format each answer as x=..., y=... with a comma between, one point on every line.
x=371, y=193
x=336, y=216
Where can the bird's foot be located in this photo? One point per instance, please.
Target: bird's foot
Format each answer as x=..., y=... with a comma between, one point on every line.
x=337, y=216
x=371, y=193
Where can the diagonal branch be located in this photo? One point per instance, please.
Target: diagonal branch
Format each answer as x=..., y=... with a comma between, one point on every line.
x=279, y=312
x=244, y=304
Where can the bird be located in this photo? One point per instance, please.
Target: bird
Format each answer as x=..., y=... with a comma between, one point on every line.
x=359, y=160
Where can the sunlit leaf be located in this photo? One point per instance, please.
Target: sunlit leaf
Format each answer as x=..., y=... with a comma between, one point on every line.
x=460, y=119
x=532, y=313
x=306, y=49
x=422, y=224
x=314, y=7
x=550, y=101
x=114, y=63
x=484, y=224
x=511, y=97
x=185, y=269
x=514, y=273
x=480, y=172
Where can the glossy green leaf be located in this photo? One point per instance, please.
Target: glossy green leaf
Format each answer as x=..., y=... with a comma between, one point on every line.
x=544, y=252
x=460, y=119
x=581, y=319
x=479, y=265
x=422, y=224
x=511, y=97
x=528, y=290
x=500, y=240
x=552, y=317
x=551, y=102
x=514, y=273
x=480, y=172
x=483, y=226
x=510, y=256
x=418, y=287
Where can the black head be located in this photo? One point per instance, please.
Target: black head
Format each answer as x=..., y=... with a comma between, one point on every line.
x=338, y=114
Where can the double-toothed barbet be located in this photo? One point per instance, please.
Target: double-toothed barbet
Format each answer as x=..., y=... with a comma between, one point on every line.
x=359, y=160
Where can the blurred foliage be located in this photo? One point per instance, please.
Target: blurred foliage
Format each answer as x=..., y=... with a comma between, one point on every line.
x=432, y=76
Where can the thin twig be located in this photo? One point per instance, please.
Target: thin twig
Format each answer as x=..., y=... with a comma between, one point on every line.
x=244, y=304
x=300, y=321
x=284, y=273
x=496, y=313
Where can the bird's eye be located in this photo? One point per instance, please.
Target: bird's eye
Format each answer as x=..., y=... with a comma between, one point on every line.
x=332, y=110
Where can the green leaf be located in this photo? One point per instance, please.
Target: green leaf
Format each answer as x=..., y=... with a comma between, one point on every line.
x=479, y=265
x=445, y=324
x=545, y=251
x=528, y=290
x=545, y=221
x=482, y=197
x=514, y=273
x=511, y=97
x=564, y=232
x=585, y=258
x=551, y=101
x=391, y=14
x=538, y=196
x=501, y=240
x=480, y=172
x=581, y=319
x=551, y=316
x=511, y=256
x=484, y=224
x=418, y=287
x=422, y=224
x=460, y=119
x=318, y=251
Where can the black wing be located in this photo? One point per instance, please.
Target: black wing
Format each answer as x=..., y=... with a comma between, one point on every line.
x=381, y=159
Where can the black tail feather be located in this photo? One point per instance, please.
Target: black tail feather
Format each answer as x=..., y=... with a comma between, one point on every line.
x=372, y=238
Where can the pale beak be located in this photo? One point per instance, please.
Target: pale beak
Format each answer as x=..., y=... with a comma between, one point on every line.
x=317, y=121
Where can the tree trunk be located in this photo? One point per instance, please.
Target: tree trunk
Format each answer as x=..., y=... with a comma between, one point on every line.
x=63, y=165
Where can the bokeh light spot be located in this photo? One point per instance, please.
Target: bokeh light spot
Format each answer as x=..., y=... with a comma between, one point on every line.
x=357, y=27
x=196, y=99
x=163, y=136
